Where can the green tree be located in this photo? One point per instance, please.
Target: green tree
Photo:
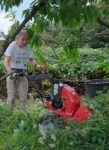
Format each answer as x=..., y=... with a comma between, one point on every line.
x=68, y=13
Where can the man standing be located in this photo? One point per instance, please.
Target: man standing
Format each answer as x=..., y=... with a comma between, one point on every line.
x=17, y=56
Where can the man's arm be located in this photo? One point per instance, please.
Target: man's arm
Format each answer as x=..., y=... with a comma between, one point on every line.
x=7, y=61
x=32, y=62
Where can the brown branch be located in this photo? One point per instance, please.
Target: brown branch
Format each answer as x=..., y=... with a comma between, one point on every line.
x=33, y=12
x=82, y=41
x=102, y=7
x=102, y=22
x=98, y=34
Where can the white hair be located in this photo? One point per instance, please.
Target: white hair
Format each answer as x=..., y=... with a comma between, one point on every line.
x=21, y=33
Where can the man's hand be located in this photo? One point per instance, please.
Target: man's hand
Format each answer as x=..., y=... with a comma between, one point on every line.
x=13, y=75
x=41, y=68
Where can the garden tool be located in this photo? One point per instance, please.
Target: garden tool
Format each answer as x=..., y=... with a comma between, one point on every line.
x=63, y=100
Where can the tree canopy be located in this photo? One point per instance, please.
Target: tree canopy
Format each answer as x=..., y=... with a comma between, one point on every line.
x=72, y=14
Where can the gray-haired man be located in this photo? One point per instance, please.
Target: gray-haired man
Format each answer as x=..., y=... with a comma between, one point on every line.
x=17, y=56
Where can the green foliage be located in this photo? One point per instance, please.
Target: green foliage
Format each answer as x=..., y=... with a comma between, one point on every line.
x=71, y=63
x=69, y=22
x=9, y=4
x=68, y=13
x=2, y=69
x=78, y=64
x=19, y=129
x=93, y=14
x=40, y=55
x=15, y=127
x=1, y=45
x=13, y=28
x=73, y=14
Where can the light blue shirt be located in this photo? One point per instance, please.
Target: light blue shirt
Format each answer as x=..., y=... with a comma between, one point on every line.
x=19, y=56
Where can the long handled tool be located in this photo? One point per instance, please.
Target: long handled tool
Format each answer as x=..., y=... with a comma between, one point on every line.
x=63, y=101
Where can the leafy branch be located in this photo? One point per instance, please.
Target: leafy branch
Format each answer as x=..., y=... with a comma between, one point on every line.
x=33, y=12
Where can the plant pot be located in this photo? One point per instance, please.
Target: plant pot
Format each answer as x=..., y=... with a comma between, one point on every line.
x=96, y=86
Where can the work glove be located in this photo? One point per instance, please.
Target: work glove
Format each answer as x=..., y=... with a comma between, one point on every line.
x=13, y=75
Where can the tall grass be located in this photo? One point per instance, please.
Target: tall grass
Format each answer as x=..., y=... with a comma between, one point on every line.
x=19, y=130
